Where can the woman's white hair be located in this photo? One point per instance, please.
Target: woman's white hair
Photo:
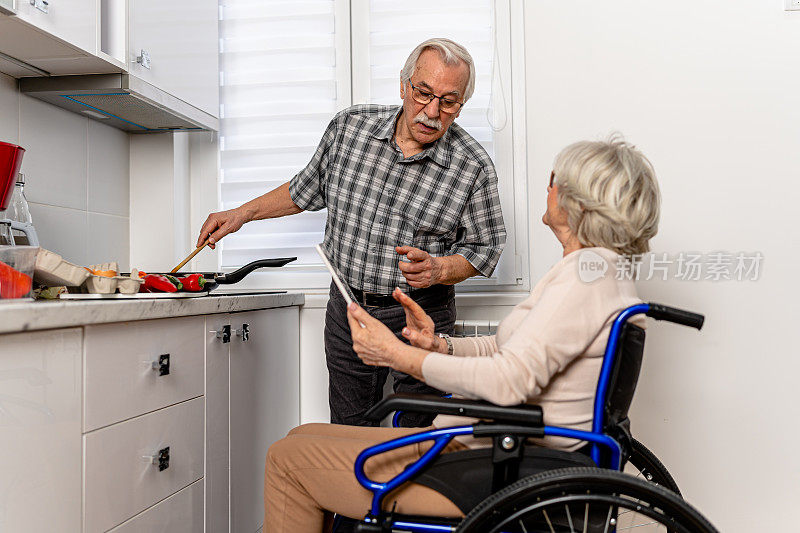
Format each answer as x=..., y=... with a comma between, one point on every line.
x=610, y=193
x=451, y=53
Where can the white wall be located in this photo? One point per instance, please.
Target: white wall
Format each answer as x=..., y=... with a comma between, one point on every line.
x=709, y=91
x=77, y=177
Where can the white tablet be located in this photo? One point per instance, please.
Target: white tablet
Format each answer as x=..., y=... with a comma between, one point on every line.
x=348, y=295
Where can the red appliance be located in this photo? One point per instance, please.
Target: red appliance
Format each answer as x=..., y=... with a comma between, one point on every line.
x=10, y=161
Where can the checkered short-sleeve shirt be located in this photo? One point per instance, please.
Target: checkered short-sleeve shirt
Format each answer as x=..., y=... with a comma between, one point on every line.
x=443, y=200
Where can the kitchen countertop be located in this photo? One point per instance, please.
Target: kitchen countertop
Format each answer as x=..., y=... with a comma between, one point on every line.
x=50, y=314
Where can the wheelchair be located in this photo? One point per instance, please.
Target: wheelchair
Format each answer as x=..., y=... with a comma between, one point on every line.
x=514, y=487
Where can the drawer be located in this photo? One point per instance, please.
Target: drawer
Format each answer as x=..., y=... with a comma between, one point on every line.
x=120, y=379
x=120, y=479
x=180, y=513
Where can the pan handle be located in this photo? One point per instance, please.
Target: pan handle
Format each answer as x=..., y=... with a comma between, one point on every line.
x=237, y=275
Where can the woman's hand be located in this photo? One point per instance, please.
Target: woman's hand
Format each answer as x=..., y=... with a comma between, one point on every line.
x=419, y=328
x=373, y=342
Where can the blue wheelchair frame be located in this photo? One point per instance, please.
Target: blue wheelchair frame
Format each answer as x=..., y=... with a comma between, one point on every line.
x=443, y=436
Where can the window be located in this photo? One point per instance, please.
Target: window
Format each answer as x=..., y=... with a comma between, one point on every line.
x=289, y=66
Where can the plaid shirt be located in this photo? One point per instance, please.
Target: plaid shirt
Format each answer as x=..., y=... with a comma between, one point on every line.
x=442, y=200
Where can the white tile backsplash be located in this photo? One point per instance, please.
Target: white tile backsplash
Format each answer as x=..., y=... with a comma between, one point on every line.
x=108, y=240
x=9, y=110
x=63, y=231
x=78, y=183
x=108, y=170
x=55, y=141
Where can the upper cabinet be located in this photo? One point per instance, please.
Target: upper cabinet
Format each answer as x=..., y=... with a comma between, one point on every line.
x=139, y=65
x=74, y=22
x=174, y=46
x=55, y=38
x=6, y=7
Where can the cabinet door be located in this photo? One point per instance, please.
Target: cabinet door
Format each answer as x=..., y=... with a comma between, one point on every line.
x=40, y=431
x=180, y=38
x=265, y=403
x=75, y=22
x=217, y=424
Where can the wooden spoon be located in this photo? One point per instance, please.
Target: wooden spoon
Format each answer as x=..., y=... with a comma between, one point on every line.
x=191, y=255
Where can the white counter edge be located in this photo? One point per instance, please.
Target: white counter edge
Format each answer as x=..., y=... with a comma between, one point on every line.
x=30, y=316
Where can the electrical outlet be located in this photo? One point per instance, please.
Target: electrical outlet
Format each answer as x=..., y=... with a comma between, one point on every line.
x=792, y=5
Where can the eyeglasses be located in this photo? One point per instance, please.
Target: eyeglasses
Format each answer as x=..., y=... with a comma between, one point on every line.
x=552, y=178
x=421, y=96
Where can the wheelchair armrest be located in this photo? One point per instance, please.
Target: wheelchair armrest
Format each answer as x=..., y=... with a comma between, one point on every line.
x=530, y=415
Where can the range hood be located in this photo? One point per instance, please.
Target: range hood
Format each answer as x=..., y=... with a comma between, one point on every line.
x=120, y=100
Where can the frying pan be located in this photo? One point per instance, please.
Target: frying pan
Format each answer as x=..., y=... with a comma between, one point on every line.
x=223, y=278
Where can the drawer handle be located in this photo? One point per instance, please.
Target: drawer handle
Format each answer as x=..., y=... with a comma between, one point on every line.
x=161, y=459
x=224, y=334
x=244, y=332
x=161, y=365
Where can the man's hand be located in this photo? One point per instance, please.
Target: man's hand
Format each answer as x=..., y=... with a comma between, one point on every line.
x=219, y=224
x=419, y=328
x=422, y=270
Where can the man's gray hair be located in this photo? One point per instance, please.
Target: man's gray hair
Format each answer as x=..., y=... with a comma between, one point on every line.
x=451, y=52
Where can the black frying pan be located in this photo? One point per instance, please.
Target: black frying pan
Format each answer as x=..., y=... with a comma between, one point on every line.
x=221, y=278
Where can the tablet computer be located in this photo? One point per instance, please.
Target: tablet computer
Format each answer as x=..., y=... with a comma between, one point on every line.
x=348, y=295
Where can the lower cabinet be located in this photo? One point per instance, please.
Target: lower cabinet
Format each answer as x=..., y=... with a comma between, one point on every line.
x=133, y=465
x=156, y=425
x=180, y=513
x=40, y=431
x=252, y=358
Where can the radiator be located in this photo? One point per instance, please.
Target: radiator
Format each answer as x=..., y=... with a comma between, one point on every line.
x=475, y=328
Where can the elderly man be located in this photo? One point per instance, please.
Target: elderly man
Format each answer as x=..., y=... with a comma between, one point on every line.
x=412, y=203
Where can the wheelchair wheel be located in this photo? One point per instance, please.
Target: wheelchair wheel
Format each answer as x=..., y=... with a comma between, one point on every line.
x=647, y=466
x=584, y=500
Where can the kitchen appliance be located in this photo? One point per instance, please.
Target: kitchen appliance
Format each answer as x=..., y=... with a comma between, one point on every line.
x=220, y=278
x=14, y=210
x=10, y=162
x=119, y=100
x=213, y=279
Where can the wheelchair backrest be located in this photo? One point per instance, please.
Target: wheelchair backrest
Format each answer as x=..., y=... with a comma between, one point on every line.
x=622, y=383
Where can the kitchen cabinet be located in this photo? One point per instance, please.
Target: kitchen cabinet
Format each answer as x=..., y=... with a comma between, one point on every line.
x=174, y=46
x=74, y=22
x=6, y=7
x=58, y=38
x=152, y=424
x=263, y=381
x=40, y=431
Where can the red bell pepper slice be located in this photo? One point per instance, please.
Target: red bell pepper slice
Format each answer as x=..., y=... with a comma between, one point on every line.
x=13, y=283
x=193, y=282
x=156, y=283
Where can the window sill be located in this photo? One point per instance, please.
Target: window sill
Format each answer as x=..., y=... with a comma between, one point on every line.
x=318, y=299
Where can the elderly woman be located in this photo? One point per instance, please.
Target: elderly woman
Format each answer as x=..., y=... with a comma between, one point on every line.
x=602, y=204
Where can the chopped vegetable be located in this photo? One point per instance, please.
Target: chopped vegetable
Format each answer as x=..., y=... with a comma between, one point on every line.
x=104, y=273
x=13, y=283
x=174, y=281
x=193, y=282
x=156, y=283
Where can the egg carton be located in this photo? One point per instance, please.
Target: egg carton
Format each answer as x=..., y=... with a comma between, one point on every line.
x=53, y=271
x=109, y=285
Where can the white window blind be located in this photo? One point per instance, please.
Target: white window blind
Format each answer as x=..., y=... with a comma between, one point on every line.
x=288, y=66
x=279, y=89
x=395, y=28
